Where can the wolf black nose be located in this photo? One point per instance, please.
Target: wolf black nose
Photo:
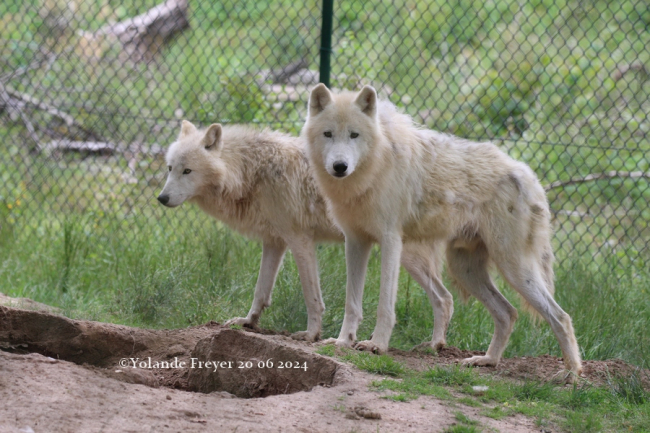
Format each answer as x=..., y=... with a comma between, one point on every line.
x=164, y=199
x=340, y=168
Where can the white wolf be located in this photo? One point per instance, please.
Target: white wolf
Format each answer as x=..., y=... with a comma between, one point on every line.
x=259, y=184
x=389, y=182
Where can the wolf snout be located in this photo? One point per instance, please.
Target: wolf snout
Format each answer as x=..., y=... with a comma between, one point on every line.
x=340, y=168
x=163, y=198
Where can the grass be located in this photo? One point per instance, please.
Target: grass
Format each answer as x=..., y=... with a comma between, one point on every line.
x=578, y=408
x=622, y=404
x=378, y=364
x=461, y=428
x=170, y=268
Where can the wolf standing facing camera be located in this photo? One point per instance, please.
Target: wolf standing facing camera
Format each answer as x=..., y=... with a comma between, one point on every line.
x=389, y=182
x=259, y=184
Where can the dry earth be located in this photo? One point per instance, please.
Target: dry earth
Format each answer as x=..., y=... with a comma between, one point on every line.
x=62, y=375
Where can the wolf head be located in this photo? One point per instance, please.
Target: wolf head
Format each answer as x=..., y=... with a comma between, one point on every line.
x=341, y=130
x=192, y=161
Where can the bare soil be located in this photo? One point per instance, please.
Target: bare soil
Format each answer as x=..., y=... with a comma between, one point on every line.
x=61, y=375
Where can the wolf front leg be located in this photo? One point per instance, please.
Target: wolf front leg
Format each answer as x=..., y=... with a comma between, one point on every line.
x=357, y=253
x=304, y=253
x=272, y=255
x=391, y=250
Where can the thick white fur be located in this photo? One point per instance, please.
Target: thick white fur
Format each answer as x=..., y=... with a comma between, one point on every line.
x=405, y=184
x=259, y=184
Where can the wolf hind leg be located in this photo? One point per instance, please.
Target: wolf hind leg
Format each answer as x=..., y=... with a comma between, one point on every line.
x=304, y=253
x=526, y=274
x=272, y=256
x=469, y=269
x=424, y=263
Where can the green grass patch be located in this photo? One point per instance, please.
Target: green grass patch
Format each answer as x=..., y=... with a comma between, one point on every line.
x=469, y=401
x=454, y=375
x=581, y=407
x=327, y=350
x=629, y=389
x=402, y=397
x=496, y=412
x=461, y=428
x=462, y=418
x=378, y=364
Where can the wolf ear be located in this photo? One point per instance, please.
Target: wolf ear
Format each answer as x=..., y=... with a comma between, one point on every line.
x=186, y=128
x=367, y=100
x=212, y=139
x=320, y=98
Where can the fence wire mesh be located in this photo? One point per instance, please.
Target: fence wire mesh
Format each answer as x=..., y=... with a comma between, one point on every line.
x=92, y=92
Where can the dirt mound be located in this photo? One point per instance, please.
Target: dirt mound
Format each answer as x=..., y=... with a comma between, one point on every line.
x=248, y=374
x=250, y=366
x=26, y=304
x=205, y=358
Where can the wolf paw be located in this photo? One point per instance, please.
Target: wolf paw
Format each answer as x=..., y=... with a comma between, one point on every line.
x=480, y=361
x=566, y=376
x=306, y=336
x=335, y=341
x=427, y=346
x=241, y=321
x=369, y=346
x=438, y=344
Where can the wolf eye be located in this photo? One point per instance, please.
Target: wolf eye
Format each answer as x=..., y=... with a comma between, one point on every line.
x=169, y=167
x=328, y=134
x=187, y=171
x=354, y=135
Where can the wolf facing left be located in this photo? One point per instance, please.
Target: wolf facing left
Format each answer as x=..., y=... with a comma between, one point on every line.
x=259, y=183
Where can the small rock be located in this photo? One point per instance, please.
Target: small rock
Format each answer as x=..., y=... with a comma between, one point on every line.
x=479, y=389
x=366, y=413
x=224, y=394
x=169, y=397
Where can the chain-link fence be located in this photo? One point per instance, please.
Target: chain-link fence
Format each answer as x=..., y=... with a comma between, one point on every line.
x=92, y=92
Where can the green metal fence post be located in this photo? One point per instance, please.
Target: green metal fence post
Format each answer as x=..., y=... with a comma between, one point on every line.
x=326, y=42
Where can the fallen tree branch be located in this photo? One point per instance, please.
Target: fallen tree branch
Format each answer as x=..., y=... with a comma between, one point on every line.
x=17, y=101
x=104, y=148
x=282, y=75
x=598, y=176
x=100, y=148
x=30, y=100
x=11, y=108
x=142, y=35
x=44, y=57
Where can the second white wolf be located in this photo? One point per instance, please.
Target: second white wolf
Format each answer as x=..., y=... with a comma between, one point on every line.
x=389, y=182
x=259, y=184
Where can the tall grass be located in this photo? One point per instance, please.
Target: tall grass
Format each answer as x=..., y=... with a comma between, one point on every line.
x=186, y=269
